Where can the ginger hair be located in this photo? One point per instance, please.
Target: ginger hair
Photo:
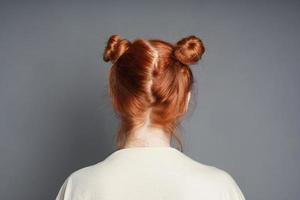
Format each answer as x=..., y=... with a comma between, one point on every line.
x=150, y=80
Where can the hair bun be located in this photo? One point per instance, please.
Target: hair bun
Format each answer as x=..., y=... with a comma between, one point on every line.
x=189, y=50
x=115, y=47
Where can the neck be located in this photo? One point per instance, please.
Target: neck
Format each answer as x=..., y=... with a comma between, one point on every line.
x=148, y=136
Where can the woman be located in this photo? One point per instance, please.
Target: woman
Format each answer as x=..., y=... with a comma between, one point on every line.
x=150, y=84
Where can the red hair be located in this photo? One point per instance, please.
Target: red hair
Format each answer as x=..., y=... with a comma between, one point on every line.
x=150, y=79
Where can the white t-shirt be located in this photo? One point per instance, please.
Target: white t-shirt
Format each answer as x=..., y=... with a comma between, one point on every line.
x=149, y=173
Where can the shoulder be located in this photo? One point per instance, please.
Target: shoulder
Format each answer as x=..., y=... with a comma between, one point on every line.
x=215, y=179
x=228, y=186
x=199, y=168
x=77, y=183
x=87, y=173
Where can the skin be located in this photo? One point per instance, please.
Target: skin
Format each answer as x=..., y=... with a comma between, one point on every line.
x=149, y=137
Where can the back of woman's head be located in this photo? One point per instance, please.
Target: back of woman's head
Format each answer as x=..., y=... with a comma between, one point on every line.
x=149, y=82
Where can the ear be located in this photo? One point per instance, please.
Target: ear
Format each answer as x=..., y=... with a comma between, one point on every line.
x=188, y=100
x=189, y=96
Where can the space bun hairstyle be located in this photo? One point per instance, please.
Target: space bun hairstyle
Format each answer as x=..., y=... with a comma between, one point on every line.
x=150, y=81
x=189, y=50
x=115, y=47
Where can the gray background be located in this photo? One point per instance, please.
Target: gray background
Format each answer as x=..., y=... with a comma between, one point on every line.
x=56, y=117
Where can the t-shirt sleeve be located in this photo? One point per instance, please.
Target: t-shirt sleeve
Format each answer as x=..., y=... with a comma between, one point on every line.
x=231, y=190
x=64, y=192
